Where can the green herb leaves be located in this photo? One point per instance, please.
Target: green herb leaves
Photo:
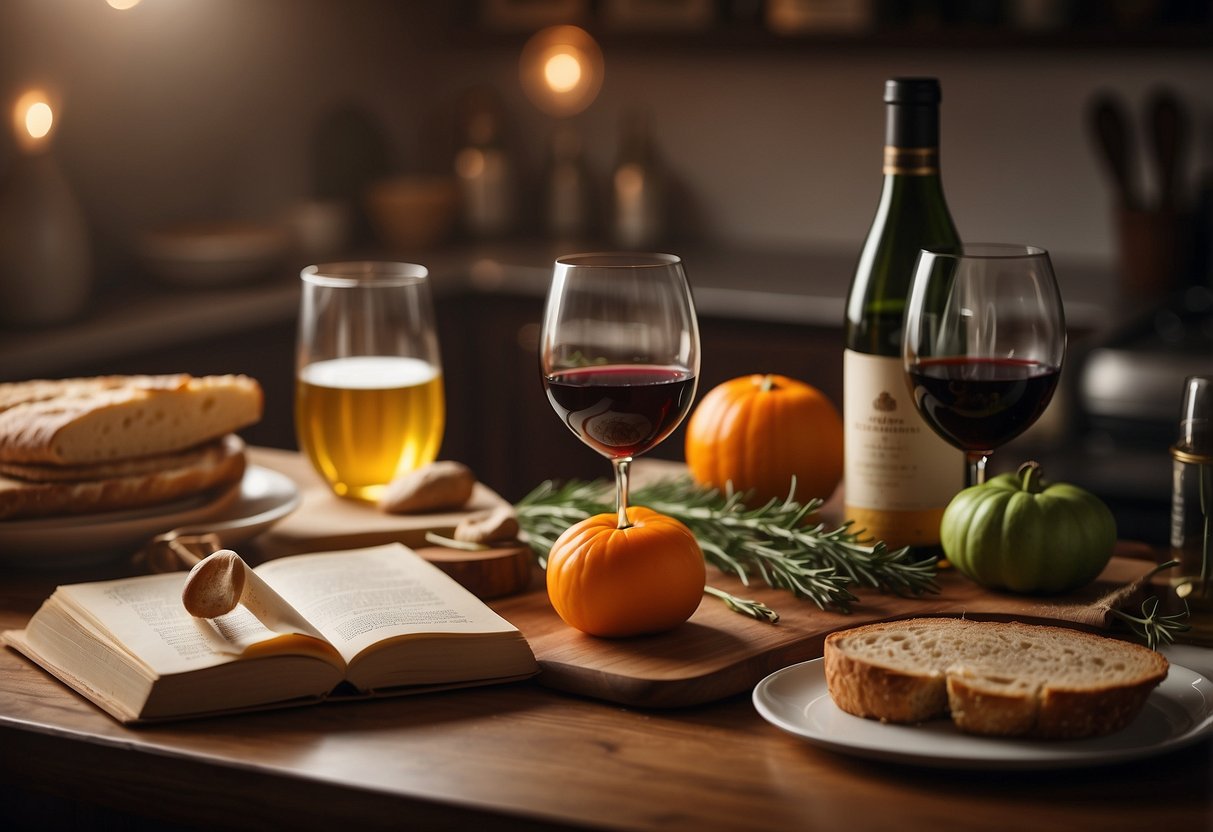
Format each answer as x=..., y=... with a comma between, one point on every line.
x=776, y=542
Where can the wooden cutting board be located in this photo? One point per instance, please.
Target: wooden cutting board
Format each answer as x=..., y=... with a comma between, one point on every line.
x=716, y=654
x=325, y=522
x=719, y=653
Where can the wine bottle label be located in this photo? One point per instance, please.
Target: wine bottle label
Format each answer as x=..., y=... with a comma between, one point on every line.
x=911, y=161
x=899, y=475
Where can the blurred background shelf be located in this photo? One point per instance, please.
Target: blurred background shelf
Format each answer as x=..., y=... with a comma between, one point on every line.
x=853, y=24
x=760, y=311
x=766, y=138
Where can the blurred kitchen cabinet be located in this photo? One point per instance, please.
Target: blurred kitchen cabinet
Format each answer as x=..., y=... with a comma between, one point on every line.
x=812, y=354
x=266, y=354
x=499, y=419
x=736, y=347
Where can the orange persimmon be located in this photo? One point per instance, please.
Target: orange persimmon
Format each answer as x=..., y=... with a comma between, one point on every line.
x=608, y=581
x=759, y=431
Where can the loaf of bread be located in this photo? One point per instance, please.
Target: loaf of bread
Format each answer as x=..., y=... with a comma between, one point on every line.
x=73, y=422
x=215, y=465
x=42, y=472
x=998, y=679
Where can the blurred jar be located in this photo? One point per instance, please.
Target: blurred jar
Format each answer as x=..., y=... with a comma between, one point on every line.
x=484, y=168
x=639, y=186
x=567, y=197
x=45, y=253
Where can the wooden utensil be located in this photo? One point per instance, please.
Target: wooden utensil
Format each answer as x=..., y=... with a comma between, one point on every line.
x=1113, y=135
x=1168, y=136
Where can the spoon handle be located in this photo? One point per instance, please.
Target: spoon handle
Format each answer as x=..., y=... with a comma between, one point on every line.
x=1168, y=136
x=1110, y=128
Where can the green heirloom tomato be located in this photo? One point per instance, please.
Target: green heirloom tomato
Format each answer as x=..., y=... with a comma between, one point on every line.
x=1015, y=533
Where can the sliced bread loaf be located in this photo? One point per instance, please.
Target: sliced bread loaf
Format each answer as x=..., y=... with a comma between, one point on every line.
x=41, y=472
x=219, y=464
x=1001, y=679
x=87, y=421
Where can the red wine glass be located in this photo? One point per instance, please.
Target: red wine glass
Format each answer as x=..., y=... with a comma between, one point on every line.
x=619, y=353
x=983, y=344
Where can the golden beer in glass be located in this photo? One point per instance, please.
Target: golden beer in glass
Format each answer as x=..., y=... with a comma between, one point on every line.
x=369, y=401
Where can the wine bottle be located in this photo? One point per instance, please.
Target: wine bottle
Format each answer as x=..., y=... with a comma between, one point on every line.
x=899, y=474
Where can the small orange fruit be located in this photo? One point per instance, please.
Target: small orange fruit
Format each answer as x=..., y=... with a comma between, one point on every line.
x=608, y=581
x=759, y=431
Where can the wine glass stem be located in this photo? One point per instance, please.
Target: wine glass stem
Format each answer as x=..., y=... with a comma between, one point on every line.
x=622, y=465
x=977, y=469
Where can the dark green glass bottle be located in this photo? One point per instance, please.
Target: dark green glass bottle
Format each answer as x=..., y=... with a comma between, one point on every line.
x=899, y=475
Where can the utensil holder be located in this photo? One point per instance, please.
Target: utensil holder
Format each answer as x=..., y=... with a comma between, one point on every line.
x=1153, y=251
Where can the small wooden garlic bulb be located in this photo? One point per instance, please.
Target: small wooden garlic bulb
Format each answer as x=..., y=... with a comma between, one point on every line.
x=217, y=584
x=497, y=526
x=440, y=486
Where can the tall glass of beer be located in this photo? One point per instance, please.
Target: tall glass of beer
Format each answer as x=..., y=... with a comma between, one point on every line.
x=369, y=401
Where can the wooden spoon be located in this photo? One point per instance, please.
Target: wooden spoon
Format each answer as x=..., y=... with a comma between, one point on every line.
x=1168, y=136
x=1110, y=128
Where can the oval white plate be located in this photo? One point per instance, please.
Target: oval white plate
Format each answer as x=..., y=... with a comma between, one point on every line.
x=263, y=498
x=1178, y=712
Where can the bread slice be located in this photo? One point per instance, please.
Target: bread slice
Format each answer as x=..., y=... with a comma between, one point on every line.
x=997, y=679
x=92, y=420
x=41, y=472
x=219, y=464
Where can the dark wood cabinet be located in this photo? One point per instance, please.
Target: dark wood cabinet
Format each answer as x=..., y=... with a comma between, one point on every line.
x=499, y=420
x=266, y=353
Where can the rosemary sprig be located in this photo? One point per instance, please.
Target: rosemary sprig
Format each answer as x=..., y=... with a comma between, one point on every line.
x=547, y=511
x=1154, y=628
x=772, y=542
x=745, y=606
x=1150, y=626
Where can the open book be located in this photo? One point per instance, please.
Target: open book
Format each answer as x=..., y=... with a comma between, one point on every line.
x=359, y=622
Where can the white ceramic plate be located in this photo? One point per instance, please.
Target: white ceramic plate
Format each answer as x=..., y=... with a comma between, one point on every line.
x=261, y=499
x=1178, y=712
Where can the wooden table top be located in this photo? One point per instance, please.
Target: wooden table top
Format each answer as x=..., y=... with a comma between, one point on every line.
x=523, y=756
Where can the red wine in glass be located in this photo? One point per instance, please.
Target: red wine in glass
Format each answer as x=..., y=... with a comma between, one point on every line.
x=983, y=342
x=619, y=353
x=621, y=410
x=978, y=404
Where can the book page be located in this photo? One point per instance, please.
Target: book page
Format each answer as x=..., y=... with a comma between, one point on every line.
x=361, y=596
x=146, y=618
x=261, y=608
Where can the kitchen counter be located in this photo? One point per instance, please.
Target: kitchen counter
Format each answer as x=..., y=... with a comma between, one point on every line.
x=787, y=287
x=522, y=756
x=760, y=311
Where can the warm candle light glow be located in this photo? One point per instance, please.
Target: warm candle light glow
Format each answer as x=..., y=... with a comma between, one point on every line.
x=33, y=120
x=469, y=163
x=562, y=71
x=38, y=119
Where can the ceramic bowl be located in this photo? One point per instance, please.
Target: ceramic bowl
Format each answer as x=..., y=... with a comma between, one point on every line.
x=412, y=212
x=212, y=254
